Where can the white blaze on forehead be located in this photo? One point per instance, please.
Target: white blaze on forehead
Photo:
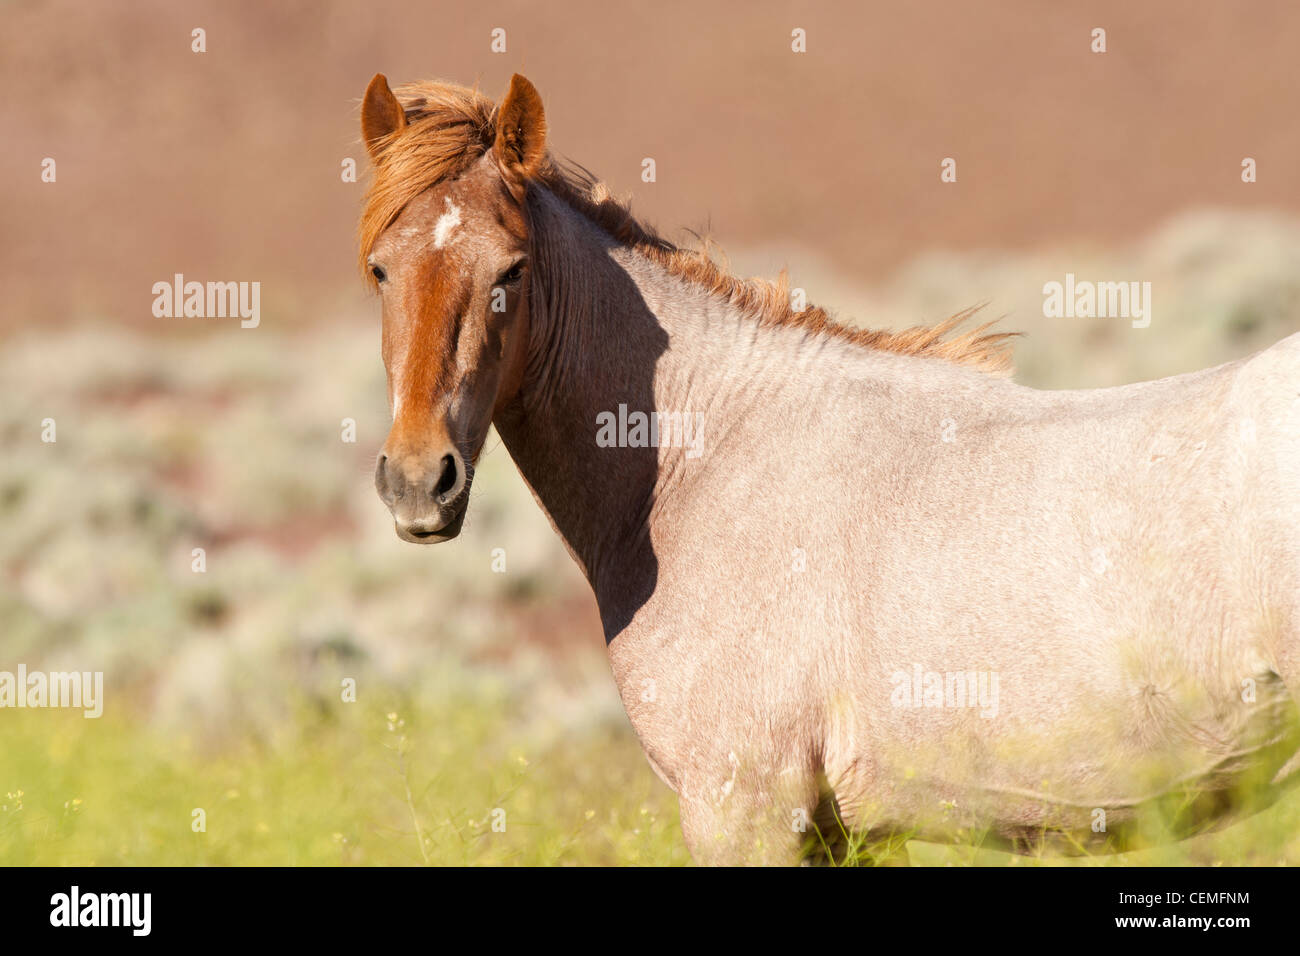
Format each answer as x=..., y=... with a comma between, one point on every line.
x=446, y=224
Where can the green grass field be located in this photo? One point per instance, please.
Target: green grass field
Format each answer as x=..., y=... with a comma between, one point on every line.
x=447, y=785
x=349, y=785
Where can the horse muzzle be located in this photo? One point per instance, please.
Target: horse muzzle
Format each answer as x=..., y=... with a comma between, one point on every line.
x=428, y=504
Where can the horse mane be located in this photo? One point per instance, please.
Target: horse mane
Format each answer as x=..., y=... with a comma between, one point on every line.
x=449, y=127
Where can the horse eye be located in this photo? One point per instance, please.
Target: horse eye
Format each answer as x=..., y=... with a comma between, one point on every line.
x=513, y=274
x=379, y=273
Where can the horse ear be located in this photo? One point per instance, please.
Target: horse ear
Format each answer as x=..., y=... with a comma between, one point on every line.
x=520, y=145
x=381, y=114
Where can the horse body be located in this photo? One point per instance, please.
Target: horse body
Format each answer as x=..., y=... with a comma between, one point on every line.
x=1101, y=554
x=931, y=600
x=1114, y=557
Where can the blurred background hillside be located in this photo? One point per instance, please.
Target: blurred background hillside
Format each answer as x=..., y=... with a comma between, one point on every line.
x=480, y=690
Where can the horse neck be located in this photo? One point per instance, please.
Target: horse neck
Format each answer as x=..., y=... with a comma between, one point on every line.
x=601, y=318
x=609, y=327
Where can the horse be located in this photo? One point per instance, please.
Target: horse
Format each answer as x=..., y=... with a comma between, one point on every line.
x=856, y=586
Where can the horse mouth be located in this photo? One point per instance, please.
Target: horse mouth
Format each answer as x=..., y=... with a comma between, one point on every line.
x=448, y=531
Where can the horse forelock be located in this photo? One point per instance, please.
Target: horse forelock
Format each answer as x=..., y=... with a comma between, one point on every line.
x=449, y=127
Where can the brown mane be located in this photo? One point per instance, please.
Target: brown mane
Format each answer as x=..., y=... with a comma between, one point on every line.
x=449, y=127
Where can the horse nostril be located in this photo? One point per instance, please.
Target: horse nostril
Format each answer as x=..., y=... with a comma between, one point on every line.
x=447, y=480
x=381, y=475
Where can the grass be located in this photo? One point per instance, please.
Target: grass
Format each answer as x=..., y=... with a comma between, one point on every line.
x=1268, y=838
x=398, y=783
x=355, y=785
